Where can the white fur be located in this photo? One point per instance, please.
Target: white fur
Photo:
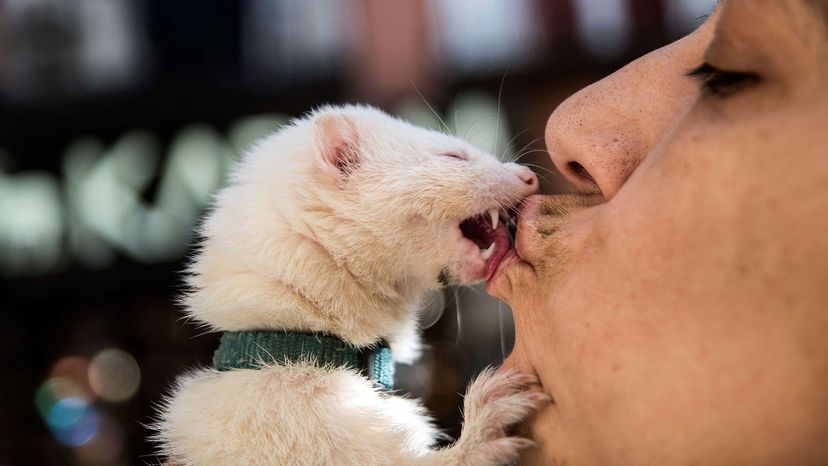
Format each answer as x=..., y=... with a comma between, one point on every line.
x=339, y=223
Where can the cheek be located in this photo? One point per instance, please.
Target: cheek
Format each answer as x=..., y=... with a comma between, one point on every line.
x=618, y=376
x=674, y=321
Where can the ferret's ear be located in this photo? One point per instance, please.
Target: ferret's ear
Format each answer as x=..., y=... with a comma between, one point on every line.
x=338, y=141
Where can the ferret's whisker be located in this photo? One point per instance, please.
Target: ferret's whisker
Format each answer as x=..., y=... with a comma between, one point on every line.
x=499, y=98
x=526, y=152
x=532, y=152
x=526, y=146
x=509, y=144
x=540, y=167
x=459, y=318
x=541, y=175
x=535, y=167
x=523, y=150
x=500, y=326
x=425, y=101
x=470, y=128
x=206, y=332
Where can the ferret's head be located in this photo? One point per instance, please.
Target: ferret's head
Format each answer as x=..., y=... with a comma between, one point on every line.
x=433, y=205
x=350, y=204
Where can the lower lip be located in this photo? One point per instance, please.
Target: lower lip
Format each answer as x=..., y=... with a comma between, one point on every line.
x=501, y=242
x=510, y=256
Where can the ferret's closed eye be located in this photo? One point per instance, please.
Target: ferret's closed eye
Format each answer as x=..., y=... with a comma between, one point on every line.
x=455, y=155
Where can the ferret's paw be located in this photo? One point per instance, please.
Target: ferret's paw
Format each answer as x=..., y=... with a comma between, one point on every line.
x=493, y=403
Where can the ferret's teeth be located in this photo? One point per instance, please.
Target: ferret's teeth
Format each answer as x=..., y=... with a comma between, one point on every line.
x=495, y=215
x=488, y=252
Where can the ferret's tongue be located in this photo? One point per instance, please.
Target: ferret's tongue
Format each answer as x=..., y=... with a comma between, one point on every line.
x=479, y=230
x=501, y=241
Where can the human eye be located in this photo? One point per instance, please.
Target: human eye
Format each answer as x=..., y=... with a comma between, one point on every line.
x=719, y=82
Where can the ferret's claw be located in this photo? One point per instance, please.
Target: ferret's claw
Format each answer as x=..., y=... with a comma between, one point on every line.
x=493, y=403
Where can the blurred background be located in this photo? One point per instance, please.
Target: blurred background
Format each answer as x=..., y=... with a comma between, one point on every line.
x=119, y=118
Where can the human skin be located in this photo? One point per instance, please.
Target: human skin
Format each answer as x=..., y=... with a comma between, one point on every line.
x=676, y=309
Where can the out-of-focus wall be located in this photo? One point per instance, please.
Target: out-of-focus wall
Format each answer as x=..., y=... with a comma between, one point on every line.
x=119, y=118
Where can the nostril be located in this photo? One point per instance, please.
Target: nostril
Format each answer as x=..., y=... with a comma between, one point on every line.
x=529, y=178
x=581, y=173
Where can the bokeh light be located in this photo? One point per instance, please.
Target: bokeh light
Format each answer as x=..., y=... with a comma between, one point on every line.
x=73, y=369
x=65, y=408
x=604, y=27
x=114, y=375
x=66, y=403
x=73, y=421
x=31, y=225
x=54, y=390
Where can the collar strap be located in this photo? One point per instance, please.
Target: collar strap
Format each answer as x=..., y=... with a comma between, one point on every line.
x=252, y=349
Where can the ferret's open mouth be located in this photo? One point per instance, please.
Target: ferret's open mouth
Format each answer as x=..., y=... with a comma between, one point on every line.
x=489, y=232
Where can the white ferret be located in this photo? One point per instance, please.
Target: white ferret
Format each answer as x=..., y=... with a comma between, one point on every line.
x=334, y=227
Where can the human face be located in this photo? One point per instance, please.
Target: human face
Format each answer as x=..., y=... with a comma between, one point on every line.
x=676, y=309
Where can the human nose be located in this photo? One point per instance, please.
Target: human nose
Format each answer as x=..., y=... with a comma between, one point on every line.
x=599, y=136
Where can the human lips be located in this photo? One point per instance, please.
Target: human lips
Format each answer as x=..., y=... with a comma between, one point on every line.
x=541, y=222
x=524, y=218
x=505, y=262
x=527, y=210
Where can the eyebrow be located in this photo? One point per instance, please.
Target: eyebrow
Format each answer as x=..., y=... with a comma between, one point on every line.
x=821, y=7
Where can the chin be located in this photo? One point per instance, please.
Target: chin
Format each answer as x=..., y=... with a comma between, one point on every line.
x=471, y=274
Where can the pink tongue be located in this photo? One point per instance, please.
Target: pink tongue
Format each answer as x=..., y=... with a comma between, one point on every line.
x=501, y=240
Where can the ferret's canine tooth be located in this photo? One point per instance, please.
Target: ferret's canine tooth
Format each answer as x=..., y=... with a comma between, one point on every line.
x=495, y=215
x=488, y=252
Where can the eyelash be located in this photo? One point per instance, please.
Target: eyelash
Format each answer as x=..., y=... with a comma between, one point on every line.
x=720, y=82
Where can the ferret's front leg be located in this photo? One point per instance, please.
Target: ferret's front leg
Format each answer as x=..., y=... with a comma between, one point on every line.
x=493, y=403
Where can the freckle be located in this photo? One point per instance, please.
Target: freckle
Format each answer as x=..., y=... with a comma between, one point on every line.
x=616, y=367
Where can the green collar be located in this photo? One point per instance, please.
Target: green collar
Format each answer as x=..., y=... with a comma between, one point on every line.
x=251, y=349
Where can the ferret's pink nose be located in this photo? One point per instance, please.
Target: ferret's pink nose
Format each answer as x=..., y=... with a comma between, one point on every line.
x=528, y=176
